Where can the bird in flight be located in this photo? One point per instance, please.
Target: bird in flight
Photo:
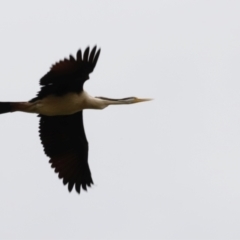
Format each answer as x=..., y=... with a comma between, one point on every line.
x=59, y=105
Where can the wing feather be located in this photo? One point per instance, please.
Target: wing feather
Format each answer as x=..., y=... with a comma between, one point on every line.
x=65, y=142
x=79, y=55
x=85, y=56
x=96, y=58
x=92, y=54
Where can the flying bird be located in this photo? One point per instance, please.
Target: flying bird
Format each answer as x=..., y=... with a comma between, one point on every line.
x=59, y=105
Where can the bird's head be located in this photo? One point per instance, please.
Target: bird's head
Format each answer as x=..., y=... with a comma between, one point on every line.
x=131, y=100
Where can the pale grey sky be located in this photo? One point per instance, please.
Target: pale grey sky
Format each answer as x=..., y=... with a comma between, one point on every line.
x=166, y=169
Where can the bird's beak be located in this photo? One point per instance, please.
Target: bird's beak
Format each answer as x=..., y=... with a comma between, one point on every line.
x=137, y=100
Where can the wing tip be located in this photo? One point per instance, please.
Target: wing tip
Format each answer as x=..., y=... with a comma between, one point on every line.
x=78, y=186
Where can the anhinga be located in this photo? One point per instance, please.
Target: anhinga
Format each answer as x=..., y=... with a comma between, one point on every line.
x=59, y=104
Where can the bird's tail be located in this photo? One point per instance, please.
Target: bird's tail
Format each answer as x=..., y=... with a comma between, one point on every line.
x=6, y=107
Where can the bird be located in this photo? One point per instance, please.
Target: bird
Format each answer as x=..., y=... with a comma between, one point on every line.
x=59, y=104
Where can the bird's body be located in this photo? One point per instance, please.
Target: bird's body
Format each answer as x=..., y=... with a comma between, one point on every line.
x=67, y=104
x=60, y=104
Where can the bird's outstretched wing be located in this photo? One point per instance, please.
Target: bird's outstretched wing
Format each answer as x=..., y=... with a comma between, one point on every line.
x=64, y=141
x=69, y=75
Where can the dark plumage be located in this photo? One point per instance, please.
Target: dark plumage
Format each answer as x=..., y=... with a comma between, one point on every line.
x=65, y=142
x=5, y=107
x=68, y=75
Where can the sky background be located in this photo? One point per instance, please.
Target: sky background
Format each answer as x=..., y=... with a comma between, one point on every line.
x=166, y=169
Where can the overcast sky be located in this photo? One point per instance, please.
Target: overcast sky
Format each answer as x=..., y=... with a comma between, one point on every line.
x=166, y=169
